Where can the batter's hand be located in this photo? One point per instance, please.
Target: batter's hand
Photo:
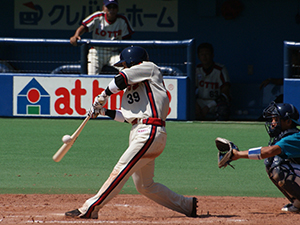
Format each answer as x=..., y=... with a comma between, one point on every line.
x=100, y=100
x=94, y=113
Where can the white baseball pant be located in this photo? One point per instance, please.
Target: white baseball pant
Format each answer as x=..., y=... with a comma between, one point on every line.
x=146, y=142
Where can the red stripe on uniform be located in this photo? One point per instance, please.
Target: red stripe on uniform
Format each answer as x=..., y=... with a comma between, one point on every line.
x=88, y=20
x=128, y=25
x=123, y=173
x=125, y=78
x=151, y=99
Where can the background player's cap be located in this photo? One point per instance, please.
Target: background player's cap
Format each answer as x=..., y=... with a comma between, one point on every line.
x=108, y=2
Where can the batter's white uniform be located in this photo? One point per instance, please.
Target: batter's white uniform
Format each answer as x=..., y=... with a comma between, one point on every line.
x=209, y=84
x=145, y=104
x=104, y=30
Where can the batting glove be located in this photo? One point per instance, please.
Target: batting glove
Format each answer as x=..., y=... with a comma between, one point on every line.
x=100, y=100
x=94, y=113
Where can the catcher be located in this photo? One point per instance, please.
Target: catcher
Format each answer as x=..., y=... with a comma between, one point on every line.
x=281, y=157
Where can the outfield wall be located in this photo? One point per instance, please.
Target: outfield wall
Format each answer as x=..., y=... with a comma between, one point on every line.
x=34, y=95
x=291, y=70
x=292, y=92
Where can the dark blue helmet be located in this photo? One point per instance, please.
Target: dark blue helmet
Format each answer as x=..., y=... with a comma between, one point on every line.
x=132, y=55
x=282, y=110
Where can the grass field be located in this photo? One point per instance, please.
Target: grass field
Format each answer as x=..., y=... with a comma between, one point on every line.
x=188, y=165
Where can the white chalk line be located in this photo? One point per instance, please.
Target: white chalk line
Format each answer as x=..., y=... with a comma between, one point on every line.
x=88, y=221
x=197, y=221
x=91, y=221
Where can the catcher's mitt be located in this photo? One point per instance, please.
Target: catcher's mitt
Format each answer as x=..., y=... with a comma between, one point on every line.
x=225, y=148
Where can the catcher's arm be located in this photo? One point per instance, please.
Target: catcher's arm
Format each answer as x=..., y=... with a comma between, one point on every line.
x=257, y=153
x=225, y=153
x=229, y=152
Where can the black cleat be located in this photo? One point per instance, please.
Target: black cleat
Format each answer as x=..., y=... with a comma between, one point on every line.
x=290, y=208
x=194, y=210
x=74, y=213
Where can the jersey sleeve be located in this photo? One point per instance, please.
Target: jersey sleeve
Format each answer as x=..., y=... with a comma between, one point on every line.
x=127, y=29
x=138, y=73
x=290, y=146
x=89, y=22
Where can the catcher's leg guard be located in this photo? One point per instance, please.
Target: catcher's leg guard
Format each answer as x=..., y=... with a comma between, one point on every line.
x=286, y=181
x=292, y=187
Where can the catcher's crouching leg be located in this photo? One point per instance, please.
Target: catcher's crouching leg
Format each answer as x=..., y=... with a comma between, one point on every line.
x=287, y=182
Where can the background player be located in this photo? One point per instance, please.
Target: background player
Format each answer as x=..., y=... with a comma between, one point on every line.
x=213, y=85
x=282, y=156
x=105, y=25
x=145, y=105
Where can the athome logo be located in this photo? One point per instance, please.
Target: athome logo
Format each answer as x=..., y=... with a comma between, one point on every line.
x=33, y=100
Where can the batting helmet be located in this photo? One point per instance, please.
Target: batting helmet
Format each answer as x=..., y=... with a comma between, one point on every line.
x=132, y=55
x=282, y=110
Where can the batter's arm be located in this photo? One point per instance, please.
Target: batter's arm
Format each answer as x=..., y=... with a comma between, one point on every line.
x=115, y=115
x=117, y=84
x=113, y=87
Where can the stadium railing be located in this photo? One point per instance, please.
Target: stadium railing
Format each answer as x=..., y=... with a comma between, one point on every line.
x=49, y=55
x=58, y=56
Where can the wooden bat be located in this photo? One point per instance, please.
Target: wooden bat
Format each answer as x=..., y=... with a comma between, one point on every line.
x=66, y=146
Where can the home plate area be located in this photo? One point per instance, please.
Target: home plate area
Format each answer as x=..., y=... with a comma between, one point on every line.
x=137, y=209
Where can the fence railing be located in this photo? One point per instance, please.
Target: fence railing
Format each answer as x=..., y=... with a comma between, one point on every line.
x=58, y=56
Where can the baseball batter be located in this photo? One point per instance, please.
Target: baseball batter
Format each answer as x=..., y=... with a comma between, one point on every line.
x=212, y=83
x=145, y=105
x=104, y=25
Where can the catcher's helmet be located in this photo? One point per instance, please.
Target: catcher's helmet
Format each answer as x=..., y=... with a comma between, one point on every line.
x=282, y=110
x=132, y=55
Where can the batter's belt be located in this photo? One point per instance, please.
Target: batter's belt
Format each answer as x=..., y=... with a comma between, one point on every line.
x=149, y=121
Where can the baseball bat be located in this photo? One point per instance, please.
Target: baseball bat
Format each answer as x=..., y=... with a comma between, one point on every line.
x=66, y=146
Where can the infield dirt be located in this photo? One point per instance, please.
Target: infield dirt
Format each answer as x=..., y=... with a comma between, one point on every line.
x=136, y=209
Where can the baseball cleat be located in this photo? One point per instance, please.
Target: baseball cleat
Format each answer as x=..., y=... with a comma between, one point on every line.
x=74, y=213
x=290, y=208
x=194, y=210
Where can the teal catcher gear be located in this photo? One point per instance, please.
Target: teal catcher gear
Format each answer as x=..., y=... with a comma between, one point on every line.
x=282, y=110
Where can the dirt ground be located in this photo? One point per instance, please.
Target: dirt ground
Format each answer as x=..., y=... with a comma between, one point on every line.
x=136, y=209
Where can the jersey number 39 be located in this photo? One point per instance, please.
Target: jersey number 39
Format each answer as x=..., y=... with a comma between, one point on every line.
x=134, y=97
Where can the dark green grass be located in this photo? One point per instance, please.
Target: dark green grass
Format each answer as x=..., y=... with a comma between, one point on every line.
x=188, y=165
